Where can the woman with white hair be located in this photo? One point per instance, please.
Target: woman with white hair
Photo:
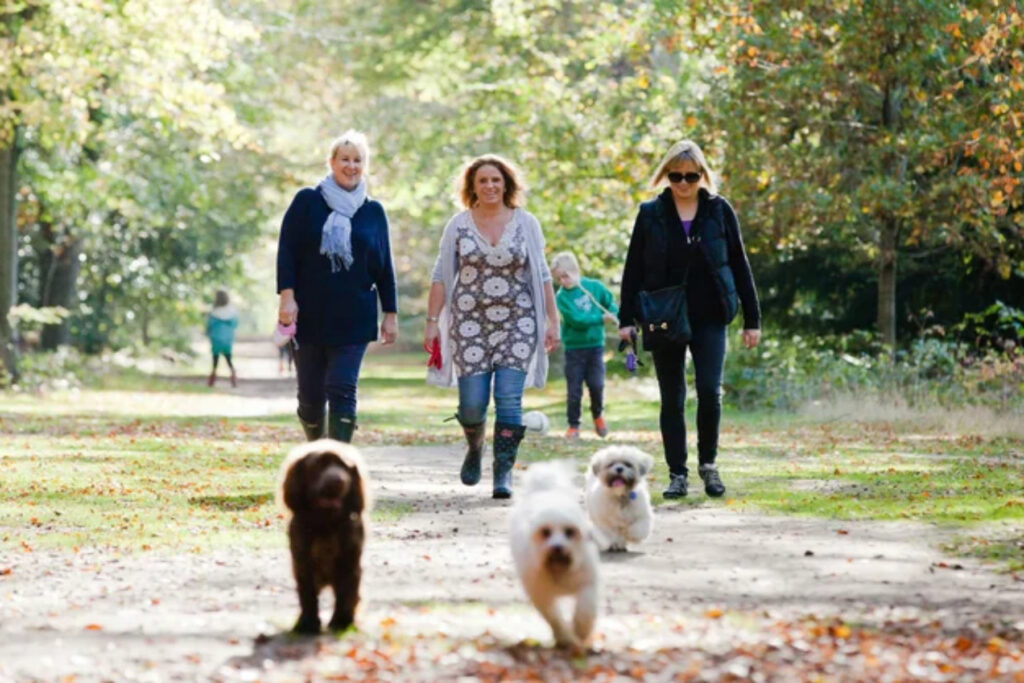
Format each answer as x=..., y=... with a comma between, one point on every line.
x=491, y=313
x=686, y=276
x=333, y=264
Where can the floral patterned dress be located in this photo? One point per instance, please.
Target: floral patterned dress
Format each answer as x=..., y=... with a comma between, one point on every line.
x=492, y=315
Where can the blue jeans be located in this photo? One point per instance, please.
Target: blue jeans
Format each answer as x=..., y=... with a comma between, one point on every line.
x=584, y=365
x=707, y=346
x=475, y=394
x=328, y=374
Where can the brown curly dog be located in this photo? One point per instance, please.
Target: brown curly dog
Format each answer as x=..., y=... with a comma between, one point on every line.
x=323, y=485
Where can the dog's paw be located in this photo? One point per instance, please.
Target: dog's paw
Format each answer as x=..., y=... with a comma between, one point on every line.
x=339, y=624
x=570, y=645
x=307, y=625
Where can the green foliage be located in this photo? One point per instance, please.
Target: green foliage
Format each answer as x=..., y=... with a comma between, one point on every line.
x=62, y=370
x=27, y=317
x=161, y=141
x=140, y=153
x=997, y=327
x=789, y=373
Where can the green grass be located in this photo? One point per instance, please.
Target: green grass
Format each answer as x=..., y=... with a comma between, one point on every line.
x=118, y=464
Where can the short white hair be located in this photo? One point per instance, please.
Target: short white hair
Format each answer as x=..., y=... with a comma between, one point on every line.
x=566, y=262
x=351, y=138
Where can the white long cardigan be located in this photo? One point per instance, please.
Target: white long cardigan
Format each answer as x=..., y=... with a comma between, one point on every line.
x=445, y=272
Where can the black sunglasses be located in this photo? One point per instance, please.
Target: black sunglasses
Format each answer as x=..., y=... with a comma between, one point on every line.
x=677, y=177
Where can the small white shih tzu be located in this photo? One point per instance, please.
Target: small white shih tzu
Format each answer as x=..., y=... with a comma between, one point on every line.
x=617, y=497
x=554, y=553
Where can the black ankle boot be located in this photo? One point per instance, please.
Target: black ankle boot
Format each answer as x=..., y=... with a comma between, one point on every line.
x=313, y=430
x=476, y=435
x=506, y=447
x=341, y=427
x=312, y=426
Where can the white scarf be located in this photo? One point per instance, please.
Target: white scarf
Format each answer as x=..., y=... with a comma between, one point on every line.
x=336, y=242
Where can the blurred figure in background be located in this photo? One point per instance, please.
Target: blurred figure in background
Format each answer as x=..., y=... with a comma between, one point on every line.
x=221, y=322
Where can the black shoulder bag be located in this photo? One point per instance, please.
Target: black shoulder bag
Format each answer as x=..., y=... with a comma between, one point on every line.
x=663, y=315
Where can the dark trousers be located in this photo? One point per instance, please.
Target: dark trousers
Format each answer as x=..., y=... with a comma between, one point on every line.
x=227, y=357
x=328, y=374
x=707, y=347
x=584, y=366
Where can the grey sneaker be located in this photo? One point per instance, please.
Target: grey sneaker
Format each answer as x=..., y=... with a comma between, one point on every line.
x=713, y=485
x=676, y=487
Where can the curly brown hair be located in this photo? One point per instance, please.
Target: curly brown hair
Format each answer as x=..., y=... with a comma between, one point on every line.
x=513, y=196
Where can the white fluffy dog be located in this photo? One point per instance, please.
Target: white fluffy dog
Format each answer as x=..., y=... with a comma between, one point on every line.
x=554, y=553
x=617, y=497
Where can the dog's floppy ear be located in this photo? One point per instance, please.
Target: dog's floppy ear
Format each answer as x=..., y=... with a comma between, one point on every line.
x=293, y=488
x=645, y=462
x=596, y=464
x=355, y=499
x=358, y=498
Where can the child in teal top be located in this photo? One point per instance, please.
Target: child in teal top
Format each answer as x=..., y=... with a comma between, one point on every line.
x=584, y=305
x=220, y=328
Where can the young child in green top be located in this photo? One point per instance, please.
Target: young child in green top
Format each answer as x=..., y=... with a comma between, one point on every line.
x=584, y=305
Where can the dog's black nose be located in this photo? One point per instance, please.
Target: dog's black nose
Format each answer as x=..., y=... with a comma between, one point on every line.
x=331, y=485
x=559, y=555
x=619, y=469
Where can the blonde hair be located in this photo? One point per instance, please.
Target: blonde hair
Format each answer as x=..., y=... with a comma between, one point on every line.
x=351, y=138
x=513, y=196
x=566, y=262
x=685, y=150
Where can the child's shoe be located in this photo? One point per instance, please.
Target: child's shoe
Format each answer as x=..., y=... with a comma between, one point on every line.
x=211, y=379
x=234, y=379
x=600, y=427
x=573, y=433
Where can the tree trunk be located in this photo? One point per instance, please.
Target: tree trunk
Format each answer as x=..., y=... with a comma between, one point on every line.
x=145, y=327
x=8, y=255
x=60, y=269
x=887, y=283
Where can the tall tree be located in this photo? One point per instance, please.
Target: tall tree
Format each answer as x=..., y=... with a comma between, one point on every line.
x=873, y=126
x=127, y=108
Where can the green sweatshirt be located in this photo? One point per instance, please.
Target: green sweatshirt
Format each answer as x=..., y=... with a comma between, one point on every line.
x=582, y=320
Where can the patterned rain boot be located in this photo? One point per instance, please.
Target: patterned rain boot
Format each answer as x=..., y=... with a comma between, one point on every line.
x=476, y=435
x=506, y=446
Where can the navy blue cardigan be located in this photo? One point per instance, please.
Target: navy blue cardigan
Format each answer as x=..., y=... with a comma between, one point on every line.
x=335, y=308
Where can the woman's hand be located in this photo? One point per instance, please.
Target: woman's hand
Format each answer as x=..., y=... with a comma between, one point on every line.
x=551, y=335
x=430, y=333
x=287, y=309
x=751, y=338
x=626, y=333
x=389, y=328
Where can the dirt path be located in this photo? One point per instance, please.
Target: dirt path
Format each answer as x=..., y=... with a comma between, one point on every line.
x=440, y=589
x=444, y=566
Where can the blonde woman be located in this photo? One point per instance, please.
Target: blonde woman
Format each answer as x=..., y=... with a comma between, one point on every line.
x=491, y=309
x=689, y=236
x=333, y=264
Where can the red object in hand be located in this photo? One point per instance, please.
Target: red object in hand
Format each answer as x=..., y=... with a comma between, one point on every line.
x=435, y=355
